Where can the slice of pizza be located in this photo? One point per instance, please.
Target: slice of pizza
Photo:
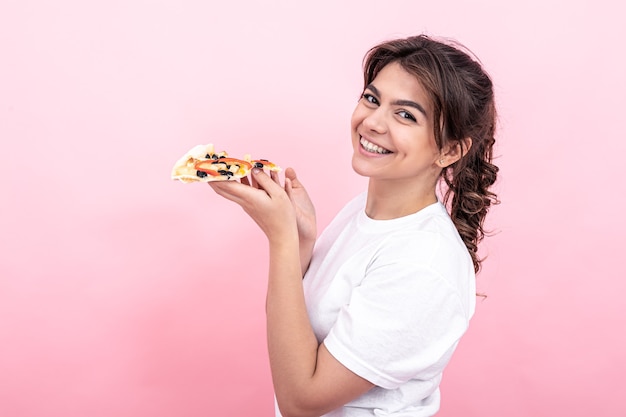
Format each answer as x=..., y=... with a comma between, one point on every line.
x=202, y=164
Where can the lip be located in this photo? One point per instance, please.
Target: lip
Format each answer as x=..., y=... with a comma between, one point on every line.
x=365, y=152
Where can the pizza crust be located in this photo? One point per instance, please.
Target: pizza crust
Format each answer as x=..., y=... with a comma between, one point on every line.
x=185, y=168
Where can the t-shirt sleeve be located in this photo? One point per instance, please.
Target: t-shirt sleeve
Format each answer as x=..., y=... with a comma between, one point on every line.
x=403, y=322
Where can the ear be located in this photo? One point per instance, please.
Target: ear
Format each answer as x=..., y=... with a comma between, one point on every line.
x=454, y=151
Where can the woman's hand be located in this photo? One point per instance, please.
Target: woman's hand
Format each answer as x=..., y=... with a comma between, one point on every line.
x=265, y=201
x=305, y=217
x=305, y=211
x=278, y=211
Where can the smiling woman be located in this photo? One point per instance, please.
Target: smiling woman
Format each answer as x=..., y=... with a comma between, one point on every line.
x=454, y=97
x=363, y=320
x=393, y=137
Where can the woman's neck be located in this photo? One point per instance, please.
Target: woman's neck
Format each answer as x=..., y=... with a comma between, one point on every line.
x=390, y=200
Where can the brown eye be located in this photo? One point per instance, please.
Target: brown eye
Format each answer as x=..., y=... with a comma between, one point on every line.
x=406, y=115
x=370, y=98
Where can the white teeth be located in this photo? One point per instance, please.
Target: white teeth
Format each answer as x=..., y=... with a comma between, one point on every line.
x=370, y=147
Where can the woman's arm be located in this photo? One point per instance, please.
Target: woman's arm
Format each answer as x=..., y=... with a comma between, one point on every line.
x=305, y=217
x=307, y=380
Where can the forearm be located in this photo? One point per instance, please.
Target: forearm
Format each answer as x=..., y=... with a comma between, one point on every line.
x=306, y=252
x=292, y=344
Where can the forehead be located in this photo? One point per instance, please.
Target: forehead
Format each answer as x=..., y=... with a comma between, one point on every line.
x=396, y=83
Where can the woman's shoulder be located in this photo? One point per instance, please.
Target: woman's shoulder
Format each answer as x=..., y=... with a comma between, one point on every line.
x=431, y=239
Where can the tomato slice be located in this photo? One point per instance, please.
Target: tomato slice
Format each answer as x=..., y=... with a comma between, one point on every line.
x=263, y=162
x=231, y=161
x=205, y=166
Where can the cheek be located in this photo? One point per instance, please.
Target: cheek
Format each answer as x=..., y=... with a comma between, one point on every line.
x=357, y=117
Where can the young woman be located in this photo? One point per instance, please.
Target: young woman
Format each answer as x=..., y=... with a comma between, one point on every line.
x=363, y=320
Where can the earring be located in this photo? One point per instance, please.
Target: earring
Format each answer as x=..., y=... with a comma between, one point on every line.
x=441, y=161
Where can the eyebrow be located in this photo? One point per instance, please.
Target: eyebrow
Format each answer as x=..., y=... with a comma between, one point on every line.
x=408, y=103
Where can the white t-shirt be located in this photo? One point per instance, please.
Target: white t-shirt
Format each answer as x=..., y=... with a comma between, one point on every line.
x=390, y=299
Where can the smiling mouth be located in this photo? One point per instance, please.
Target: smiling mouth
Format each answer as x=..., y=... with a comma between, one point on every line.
x=370, y=147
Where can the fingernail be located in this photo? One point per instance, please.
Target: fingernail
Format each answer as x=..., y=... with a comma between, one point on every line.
x=255, y=170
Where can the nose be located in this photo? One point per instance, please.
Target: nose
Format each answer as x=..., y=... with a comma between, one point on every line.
x=374, y=121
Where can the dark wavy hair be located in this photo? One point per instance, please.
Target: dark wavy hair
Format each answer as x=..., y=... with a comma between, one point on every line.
x=463, y=103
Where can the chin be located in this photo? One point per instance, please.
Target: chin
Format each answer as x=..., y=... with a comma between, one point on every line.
x=357, y=166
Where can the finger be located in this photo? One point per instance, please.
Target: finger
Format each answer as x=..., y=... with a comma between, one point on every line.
x=233, y=191
x=274, y=176
x=291, y=174
x=255, y=184
x=265, y=182
x=288, y=187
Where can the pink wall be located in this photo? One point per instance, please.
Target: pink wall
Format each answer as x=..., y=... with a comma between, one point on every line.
x=113, y=300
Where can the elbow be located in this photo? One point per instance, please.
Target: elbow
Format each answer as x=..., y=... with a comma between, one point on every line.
x=296, y=413
x=293, y=412
x=290, y=408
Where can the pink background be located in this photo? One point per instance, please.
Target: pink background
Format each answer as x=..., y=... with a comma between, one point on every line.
x=113, y=296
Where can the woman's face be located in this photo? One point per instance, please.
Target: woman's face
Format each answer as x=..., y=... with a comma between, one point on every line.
x=392, y=130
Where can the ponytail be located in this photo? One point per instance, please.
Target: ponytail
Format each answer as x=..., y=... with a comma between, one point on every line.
x=468, y=196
